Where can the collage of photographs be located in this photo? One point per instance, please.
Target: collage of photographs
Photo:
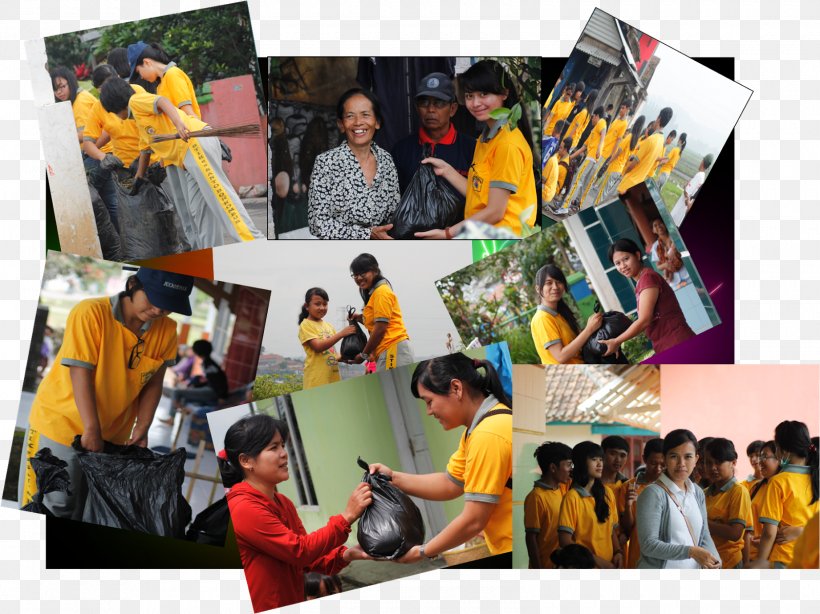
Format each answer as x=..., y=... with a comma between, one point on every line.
x=548, y=385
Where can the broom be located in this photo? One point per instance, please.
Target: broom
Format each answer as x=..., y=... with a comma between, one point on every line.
x=241, y=130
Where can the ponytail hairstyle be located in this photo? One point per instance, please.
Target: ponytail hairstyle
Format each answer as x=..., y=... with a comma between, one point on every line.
x=682, y=141
x=364, y=263
x=118, y=58
x=247, y=437
x=550, y=271
x=793, y=437
x=721, y=449
x=637, y=128
x=153, y=51
x=71, y=79
x=491, y=77
x=309, y=295
x=436, y=375
x=772, y=447
x=580, y=475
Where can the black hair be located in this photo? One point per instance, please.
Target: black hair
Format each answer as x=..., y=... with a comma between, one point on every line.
x=637, y=128
x=623, y=245
x=552, y=271
x=436, y=375
x=358, y=91
x=573, y=556
x=682, y=141
x=599, y=111
x=153, y=51
x=102, y=73
x=615, y=441
x=248, y=437
x=309, y=295
x=315, y=580
x=707, y=161
x=771, y=445
x=664, y=116
x=570, y=87
x=755, y=447
x=721, y=450
x=560, y=125
x=202, y=348
x=115, y=94
x=363, y=263
x=793, y=436
x=653, y=446
x=69, y=76
x=673, y=134
x=551, y=453
x=610, y=106
x=491, y=77
x=132, y=284
x=579, y=87
x=626, y=102
x=678, y=437
x=580, y=475
x=567, y=143
x=118, y=58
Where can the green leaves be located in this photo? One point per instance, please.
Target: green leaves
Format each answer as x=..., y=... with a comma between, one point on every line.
x=507, y=116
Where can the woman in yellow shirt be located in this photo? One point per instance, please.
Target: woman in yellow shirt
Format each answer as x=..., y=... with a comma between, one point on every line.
x=458, y=394
x=318, y=338
x=670, y=161
x=769, y=466
x=555, y=333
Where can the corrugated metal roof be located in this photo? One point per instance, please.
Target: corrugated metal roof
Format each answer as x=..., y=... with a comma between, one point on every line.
x=601, y=27
x=597, y=52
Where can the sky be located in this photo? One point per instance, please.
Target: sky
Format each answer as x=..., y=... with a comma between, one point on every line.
x=290, y=268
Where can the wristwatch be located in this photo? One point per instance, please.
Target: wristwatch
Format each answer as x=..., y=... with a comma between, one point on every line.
x=366, y=357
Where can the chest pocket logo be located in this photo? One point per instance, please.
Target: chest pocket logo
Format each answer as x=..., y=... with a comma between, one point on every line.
x=478, y=182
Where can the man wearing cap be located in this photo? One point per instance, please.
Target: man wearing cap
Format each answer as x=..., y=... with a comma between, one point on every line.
x=435, y=104
x=106, y=381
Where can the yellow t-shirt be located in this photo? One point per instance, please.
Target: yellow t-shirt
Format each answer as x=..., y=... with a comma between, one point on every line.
x=548, y=327
x=96, y=339
x=648, y=151
x=549, y=185
x=806, y=553
x=670, y=164
x=81, y=107
x=757, y=527
x=124, y=135
x=483, y=465
x=633, y=547
x=613, y=134
x=577, y=517
x=563, y=165
x=594, y=139
x=502, y=159
x=320, y=367
x=383, y=306
x=579, y=123
x=152, y=121
x=560, y=110
x=729, y=505
x=625, y=146
x=177, y=87
x=787, y=503
x=750, y=484
x=541, y=507
x=94, y=126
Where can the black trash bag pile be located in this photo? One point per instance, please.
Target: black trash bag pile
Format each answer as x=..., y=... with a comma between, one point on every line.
x=614, y=323
x=130, y=487
x=429, y=202
x=210, y=526
x=149, y=224
x=352, y=345
x=51, y=476
x=392, y=524
x=108, y=235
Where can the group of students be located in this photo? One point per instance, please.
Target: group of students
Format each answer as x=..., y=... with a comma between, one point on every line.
x=142, y=95
x=587, y=150
x=388, y=345
x=683, y=509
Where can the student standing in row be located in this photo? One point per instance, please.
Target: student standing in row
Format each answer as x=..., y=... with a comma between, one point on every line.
x=643, y=160
x=654, y=464
x=592, y=150
x=543, y=503
x=769, y=466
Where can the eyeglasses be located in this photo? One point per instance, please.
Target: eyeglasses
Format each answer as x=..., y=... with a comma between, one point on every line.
x=432, y=102
x=136, y=354
x=359, y=275
x=765, y=458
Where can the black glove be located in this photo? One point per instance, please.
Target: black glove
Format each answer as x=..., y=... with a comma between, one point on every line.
x=226, y=151
x=138, y=183
x=156, y=174
x=110, y=162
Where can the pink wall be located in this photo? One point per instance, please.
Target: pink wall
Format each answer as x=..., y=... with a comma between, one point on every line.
x=234, y=102
x=739, y=402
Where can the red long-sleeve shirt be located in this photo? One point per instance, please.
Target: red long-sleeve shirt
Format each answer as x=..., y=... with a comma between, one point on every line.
x=275, y=549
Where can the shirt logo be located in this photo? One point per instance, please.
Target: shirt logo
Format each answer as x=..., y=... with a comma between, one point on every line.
x=174, y=286
x=432, y=82
x=150, y=130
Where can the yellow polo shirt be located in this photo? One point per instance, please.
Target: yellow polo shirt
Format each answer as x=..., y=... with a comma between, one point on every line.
x=577, y=517
x=502, y=159
x=560, y=110
x=757, y=527
x=594, y=139
x=151, y=121
x=548, y=327
x=618, y=164
x=383, y=306
x=563, y=165
x=483, y=466
x=81, y=107
x=320, y=367
x=806, y=553
x=613, y=134
x=633, y=547
x=729, y=505
x=549, y=185
x=787, y=502
x=648, y=151
x=124, y=134
x=670, y=164
x=541, y=508
x=579, y=122
x=177, y=87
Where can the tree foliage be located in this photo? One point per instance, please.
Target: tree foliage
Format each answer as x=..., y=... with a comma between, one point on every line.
x=269, y=386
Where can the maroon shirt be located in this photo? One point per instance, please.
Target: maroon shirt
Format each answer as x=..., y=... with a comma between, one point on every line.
x=668, y=326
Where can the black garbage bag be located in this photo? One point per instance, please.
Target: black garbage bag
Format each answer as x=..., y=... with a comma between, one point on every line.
x=428, y=202
x=108, y=235
x=392, y=524
x=211, y=524
x=130, y=487
x=149, y=224
x=614, y=323
x=352, y=345
x=51, y=476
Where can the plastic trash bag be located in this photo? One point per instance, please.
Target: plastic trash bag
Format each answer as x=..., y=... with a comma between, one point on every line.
x=352, y=345
x=51, y=476
x=108, y=235
x=149, y=224
x=130, y=487
x=392, y=524
x=614, y=324
x=428, y=203
x=211, y=525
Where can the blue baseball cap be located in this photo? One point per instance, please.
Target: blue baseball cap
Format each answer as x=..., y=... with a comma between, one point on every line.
x=166, y=290
x=134, y=53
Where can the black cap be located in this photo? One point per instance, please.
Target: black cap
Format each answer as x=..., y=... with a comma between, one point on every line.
x=436, y=85
x=168, y=291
